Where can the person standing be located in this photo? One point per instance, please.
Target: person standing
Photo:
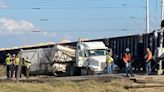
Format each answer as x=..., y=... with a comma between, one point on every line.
x=27, y=67
x=127, y=60
x=12, y=65
x=148, y=58
x=8, y=65
x=109, y=61
x=17, y=60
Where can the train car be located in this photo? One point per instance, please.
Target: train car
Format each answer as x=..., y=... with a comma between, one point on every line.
x=152, y=41
x=119, y=44
x=4, y=52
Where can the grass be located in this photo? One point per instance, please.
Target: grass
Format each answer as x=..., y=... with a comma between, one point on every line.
x=61, y=86
x=24, y=87
x=52, y=85
x=2, y=70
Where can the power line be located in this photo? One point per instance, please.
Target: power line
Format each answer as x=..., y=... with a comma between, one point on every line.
x=77, y=20
x=86, y=7
x=77, y=30
x=74, y=8
x=80, y=18
x=85, y=30
x=86, y=1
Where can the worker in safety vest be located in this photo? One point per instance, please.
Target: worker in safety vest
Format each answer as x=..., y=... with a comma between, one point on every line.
x=127, y=60
x=148, y=58
x=27, y=67
x=17, y=61
x=8, y=65
x=109, y=61
x=12, y=65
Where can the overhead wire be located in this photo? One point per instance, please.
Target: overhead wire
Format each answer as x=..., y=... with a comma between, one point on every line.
x=49, y=7
x=86, y=7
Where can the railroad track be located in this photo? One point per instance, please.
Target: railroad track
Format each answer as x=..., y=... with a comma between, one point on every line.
x=100, y=78
x=142, y=81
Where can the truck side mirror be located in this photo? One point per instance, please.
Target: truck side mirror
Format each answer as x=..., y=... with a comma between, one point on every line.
x=110, y=51
x=162, y=23
x=81, y=47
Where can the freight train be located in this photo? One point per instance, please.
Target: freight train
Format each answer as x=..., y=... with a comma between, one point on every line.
x=136, y=43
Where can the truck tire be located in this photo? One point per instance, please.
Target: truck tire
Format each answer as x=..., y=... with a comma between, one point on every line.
x=77, y=71
x=72, y=71
x=89, y=71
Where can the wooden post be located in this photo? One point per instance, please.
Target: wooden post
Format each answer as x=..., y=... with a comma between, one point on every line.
x=160, y=51
x=19, y=66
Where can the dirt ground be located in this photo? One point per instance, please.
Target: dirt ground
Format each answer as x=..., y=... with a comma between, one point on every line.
x=155, y=89
x=103, y=83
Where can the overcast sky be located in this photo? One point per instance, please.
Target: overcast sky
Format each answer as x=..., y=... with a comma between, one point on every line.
x=26, y=22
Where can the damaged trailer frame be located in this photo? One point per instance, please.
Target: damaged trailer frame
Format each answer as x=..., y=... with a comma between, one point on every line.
x=48, y=60
x=39, y=58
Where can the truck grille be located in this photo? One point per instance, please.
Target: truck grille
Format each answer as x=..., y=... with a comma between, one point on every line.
x=103, y=65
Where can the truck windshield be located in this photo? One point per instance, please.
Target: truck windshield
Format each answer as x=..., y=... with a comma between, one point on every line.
x=97, y=52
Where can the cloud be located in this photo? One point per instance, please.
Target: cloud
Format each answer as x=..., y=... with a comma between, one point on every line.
x=50, y=34
x=65, y=39
x=11, y=25
x=2, y=5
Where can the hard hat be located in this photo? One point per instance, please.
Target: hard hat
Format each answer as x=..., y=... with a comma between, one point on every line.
x=147, y=49
x=127, y=49
x=26, y=57
x=13, y=55
x=8, y=54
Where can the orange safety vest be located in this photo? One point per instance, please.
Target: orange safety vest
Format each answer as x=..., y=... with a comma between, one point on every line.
x=149, y=56
x=127, y=57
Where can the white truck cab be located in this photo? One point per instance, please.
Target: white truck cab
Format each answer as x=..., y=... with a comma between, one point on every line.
x=91, y=55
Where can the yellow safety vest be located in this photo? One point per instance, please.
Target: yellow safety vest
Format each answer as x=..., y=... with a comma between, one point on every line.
x=27, y=63
x=17, y=61
x=109, y=59
x=8, y=61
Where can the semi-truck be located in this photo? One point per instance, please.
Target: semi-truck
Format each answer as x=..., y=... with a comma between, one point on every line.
x=85, y=59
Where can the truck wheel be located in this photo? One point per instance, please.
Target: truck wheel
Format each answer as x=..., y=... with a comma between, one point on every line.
x=72, y=71
x=89, y=72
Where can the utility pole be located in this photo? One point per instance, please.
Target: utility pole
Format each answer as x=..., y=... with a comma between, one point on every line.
x=160, y=51
x=147, y=17
x=162, y=10
x=162, y=18
x=19, y=66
